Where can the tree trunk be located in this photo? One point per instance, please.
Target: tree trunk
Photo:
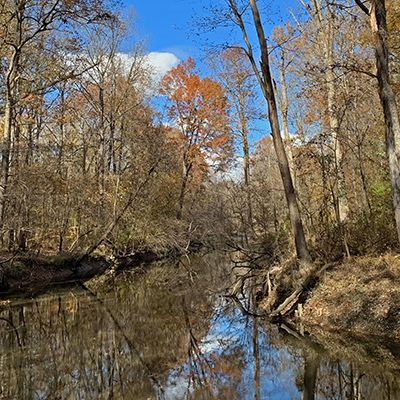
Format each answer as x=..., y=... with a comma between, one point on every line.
x=364, y=192
x=246, y=164
x=326, y=44
x=102, y=154
x=5, y=160
x=185, y=177
x=343, y=207
x=284, y=106
x=268, y=92
x=388, y=99
x=9, y=126
x=62, y=135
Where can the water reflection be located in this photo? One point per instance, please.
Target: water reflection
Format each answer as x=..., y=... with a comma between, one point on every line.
x=167, y=333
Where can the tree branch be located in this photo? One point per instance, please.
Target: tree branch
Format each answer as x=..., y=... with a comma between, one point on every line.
x=362, y=6
x=114, y=223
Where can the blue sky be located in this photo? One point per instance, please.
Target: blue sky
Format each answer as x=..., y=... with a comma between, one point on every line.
x=165, y=21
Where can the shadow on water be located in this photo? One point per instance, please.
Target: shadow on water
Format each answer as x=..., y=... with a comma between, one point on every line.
x=168, y=333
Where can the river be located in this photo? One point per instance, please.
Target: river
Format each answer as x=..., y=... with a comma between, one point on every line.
x=166, y=331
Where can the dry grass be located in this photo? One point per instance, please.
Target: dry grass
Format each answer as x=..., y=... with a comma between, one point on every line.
x=359, y=295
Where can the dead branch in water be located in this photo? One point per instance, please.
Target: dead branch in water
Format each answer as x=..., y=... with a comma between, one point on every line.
x=288, y=304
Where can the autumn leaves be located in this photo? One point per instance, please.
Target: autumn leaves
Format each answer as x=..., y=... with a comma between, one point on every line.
x=198, y=109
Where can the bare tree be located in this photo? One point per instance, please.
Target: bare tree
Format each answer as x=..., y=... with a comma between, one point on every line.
x=265, y=81
x=377, y=14
x=235, y=74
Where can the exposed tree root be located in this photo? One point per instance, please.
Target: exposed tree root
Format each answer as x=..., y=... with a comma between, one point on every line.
x=274, y=283
x=307, y=283
x=292, y=300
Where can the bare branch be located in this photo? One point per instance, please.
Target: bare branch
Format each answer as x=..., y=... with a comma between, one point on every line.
x=362, y=6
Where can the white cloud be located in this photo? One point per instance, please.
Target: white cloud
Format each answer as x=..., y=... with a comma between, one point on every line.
x=157, y=62
x=161, y=62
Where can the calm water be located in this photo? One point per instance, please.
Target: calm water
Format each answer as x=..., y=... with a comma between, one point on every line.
x=167, y=333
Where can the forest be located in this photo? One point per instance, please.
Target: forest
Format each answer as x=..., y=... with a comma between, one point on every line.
x=99, y=155
x=227, y=229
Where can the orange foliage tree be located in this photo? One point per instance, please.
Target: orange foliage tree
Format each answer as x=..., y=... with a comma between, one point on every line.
x=197, y=108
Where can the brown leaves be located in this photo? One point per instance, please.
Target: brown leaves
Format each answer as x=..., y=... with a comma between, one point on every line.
x=198, y=109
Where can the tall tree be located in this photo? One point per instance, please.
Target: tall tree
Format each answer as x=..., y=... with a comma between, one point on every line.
x=322, y=14
x=281, y=36
x=235, y=74
x=265, y=81
x=377, y=14
x=198, y=108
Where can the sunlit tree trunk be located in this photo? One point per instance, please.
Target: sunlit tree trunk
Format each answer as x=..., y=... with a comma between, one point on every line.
x=11, y=83
x=284, y=107
x=342, y=203
x=185, y=177
x=61, y=128
x=265, y=81
x=246, y=162
x=377, y=15
x=322, y=15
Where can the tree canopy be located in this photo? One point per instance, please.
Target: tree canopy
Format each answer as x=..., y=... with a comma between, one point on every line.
x=88, y=144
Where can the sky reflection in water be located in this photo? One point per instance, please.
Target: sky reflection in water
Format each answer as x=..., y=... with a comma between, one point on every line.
x=167, y=333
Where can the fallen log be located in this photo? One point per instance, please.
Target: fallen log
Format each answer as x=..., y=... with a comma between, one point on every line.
x=291, y=301
x=286, y=306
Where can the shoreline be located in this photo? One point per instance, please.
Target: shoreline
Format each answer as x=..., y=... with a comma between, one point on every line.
x=360, y=295
x=27, y=274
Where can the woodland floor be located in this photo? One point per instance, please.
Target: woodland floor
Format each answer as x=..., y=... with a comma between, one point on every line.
x=359, y=295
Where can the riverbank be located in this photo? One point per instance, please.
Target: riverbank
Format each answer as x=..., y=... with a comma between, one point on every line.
x=359, y=295
x=29, y=274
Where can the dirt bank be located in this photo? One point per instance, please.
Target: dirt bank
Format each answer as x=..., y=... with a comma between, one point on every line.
x=360, y=295
x=29, y=274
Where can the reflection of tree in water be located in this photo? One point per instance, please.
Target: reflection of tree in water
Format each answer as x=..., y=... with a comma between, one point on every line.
x=68, y=354
x=120, y=344
x=323, y=375
x=211, y=370
x=345, y=380
x=370, y=369
x=165, y=334
x=234, y=363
